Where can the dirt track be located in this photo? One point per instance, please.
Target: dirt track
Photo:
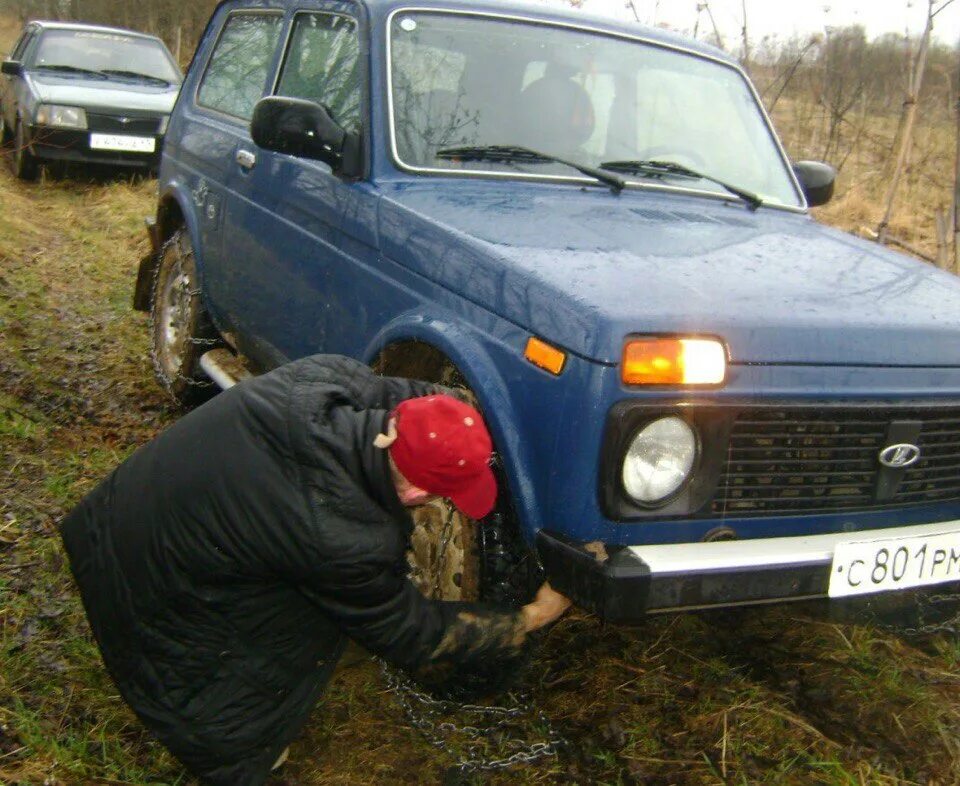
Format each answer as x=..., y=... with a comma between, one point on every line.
x=765, y=696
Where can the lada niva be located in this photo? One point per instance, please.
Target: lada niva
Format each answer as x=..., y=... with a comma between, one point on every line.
x=700, y=397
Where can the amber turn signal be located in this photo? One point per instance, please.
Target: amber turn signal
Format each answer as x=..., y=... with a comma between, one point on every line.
x=674, y=361
x=543, y=355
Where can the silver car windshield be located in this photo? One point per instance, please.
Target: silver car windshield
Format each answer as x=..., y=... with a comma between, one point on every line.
x=460, y=80
x=104, y=51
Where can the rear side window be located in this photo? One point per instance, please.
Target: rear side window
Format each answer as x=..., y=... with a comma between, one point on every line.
x=323, y=65
x=237, y=72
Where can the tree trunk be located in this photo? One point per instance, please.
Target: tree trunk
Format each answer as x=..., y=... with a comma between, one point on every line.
x=745, y=60
x=943, y=239
x=910, y=116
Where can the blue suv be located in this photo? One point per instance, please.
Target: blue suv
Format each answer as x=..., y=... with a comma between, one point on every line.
x=699, y=395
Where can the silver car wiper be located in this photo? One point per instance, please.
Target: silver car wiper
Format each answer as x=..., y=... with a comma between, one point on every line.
x=69, y=69
x=656, y=168
x=134, y=75
x=523, y=155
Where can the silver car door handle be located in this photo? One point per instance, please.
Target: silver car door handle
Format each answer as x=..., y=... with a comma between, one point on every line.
x=246, y=159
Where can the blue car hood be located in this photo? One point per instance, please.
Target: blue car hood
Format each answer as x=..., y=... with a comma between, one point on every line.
x=583, y=268
x=105, y=94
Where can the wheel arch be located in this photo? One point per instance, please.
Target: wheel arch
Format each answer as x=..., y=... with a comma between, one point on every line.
x=412, y=344
x=173, y=212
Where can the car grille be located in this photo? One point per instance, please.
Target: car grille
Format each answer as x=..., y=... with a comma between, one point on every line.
x=114, y=124
x=812, y=460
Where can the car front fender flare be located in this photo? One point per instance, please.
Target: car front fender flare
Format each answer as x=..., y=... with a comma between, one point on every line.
x=464, y=348
x=160, y=231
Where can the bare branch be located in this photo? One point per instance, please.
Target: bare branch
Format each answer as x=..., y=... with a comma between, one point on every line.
x=944, y=4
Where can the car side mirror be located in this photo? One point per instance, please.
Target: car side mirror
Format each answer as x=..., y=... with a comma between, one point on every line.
x=303, y=128
x=817, y=180
x=12, y=67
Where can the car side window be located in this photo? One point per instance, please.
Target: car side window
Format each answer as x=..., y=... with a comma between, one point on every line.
x=237, y=72
x=22, y=44
x=322, y=64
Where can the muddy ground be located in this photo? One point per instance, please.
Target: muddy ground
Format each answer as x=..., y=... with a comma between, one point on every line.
x=765, y=696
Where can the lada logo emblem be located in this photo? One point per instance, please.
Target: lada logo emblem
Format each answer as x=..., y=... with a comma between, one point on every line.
x=899, y=456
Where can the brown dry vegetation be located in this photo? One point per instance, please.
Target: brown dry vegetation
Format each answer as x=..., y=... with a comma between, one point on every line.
x=861, y=187
x=766, y=696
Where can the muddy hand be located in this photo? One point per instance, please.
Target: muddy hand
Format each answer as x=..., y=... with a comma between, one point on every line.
x=547, y=606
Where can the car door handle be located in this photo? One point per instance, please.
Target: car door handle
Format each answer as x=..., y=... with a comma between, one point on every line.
x=246, y=159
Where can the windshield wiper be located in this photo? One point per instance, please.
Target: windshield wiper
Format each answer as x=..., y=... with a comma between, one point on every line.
x=514, y=154
x=656, y=168
x=69, y=69
x=134, y=75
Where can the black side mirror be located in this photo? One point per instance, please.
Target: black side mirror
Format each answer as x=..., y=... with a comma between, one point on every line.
x=303, y=128
x=817, y=180
x=12, y=67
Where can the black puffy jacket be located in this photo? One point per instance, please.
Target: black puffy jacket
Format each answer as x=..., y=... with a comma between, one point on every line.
x=222, y=565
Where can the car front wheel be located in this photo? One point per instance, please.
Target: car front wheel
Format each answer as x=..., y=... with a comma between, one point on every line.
x=24, y=162
x=5, y=135
x=453, y=557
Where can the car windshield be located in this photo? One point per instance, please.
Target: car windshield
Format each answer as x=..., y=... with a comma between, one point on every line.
x=461, y=80
x=129, y=57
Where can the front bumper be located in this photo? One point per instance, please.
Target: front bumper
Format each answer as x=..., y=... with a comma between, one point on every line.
x=626, y=583
x=52, y=144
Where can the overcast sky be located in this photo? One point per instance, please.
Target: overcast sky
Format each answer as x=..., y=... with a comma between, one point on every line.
x=783, y=17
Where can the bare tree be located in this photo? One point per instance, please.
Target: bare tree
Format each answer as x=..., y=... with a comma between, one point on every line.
x=843, y=81
x=745, y=58
x=910, y=115
x=704, y=7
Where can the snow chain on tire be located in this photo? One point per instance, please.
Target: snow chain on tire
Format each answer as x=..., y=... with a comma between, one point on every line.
x=922, y=628
x=165, y=379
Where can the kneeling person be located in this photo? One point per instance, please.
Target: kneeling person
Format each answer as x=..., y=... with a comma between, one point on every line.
x=224, y=564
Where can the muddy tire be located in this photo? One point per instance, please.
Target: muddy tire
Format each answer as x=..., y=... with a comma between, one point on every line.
x=25, y=165
x=455, y=558
x=509, y=571
x=443, y=556
x=6, y=135
x=181, y=328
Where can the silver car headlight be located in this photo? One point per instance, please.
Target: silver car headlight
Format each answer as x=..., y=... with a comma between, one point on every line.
x=659, y=459
x=57, y=116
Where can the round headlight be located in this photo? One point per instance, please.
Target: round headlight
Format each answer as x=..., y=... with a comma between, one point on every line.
x=659, y=460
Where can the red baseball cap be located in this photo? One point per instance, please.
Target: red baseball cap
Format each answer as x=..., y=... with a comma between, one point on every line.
x=443, y=447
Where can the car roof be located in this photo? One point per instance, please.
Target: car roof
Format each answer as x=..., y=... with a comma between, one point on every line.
x=49, y=24
x=542, y=11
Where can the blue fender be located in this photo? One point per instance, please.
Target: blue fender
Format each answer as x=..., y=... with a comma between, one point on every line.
x=179, y=193
x=464, y=347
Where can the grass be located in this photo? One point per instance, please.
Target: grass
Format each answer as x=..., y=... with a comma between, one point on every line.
x=780, y=696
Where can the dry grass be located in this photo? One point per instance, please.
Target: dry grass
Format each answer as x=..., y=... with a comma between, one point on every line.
x=865, y=156
x=9, y=30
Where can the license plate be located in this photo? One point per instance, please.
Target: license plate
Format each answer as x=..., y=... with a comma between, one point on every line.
x=128, y=144
x=894, y=563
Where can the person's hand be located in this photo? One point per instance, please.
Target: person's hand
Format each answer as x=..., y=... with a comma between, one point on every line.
x=547, y=606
